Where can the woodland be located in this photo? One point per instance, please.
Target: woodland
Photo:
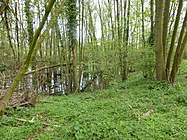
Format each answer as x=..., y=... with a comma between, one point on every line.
x=93, y=69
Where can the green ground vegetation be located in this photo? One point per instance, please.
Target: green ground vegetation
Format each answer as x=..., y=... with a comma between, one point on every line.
x=135, y=109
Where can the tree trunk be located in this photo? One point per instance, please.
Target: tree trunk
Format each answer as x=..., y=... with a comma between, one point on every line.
x=179, y=50
x=165, y=27
x=126, y=42
x=158, y=40
x=143, y=28
x=170, y=53
x=23, y=68
x=72, y=35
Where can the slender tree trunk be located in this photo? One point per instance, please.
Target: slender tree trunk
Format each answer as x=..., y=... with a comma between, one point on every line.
x=179, y=50
x=165, y=28
x=151, y=39
x=152, y=16
x=111, y=22
x=119, y=39
x=101, y=21
x=177, y=61
x=8, y=34
x=23, y=68
x=170, y=53
x=164, y=35
x=17, y=34
x=143, y=28
x=125, y=69
x=81, y=42
x=92, y=33
x=4, y=6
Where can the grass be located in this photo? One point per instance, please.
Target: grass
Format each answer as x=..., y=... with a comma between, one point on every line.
x=136, y=109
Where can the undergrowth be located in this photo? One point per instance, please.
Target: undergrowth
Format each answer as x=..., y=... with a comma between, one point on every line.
x=136, y=109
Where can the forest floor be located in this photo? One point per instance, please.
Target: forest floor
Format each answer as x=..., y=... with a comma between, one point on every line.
x=136, y=109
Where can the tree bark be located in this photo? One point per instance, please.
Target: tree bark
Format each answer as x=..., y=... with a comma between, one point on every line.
x=72, y=35
x=158, y=40
x=4, y=6
x=179, y=50
x=165, y=27
x=143, y=28
x=170, y=53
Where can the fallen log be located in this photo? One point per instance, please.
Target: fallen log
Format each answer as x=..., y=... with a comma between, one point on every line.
x=45, y=67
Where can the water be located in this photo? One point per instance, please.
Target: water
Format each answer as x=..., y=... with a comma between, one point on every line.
x=50, y=81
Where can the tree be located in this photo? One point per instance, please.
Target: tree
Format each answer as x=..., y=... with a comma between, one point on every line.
x=3, y=6
x=179, y=51
x=6, y=98
x=143, y=28
x=174, y=35
x=164, y=57
x=71, y=14
x=158, y=40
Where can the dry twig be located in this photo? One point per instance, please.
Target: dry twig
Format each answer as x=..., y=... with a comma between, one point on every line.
x=32, y=121
x=137, y=113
